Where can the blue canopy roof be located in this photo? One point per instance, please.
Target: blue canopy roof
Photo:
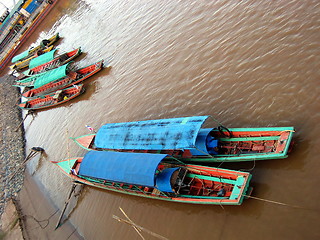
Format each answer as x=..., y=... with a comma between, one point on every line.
x=172, y=133
x=133, y=168
x=163, y=180
x=205, y=143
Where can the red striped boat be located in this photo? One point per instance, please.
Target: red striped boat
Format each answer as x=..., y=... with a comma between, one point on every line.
x=54, y=63
x=53, y=99
x=158, y=176
x=73, y=77
x=183, y=139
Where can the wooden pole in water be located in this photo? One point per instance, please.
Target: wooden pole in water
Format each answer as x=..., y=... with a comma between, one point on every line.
x=136, y=227
x=141, y=228
x=34, y=152
x=66, y=205
x=29, y=112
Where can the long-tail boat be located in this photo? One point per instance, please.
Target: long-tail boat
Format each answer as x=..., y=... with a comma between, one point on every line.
x=70, y=79
x=30, y=52
x=25, y=63
x=53, y=99
x=44, y=63
x=40, y=79
x=185, y=139
x=158, y=176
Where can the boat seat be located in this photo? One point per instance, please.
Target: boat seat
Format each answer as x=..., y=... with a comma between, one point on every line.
x=63, y=57
x=156, y=192
x=57, y=95
x=72, y=75
x=258, y=148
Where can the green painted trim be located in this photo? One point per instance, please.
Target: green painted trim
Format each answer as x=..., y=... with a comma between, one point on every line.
x=202, y=197
x=260, y=129
x=237, y=158
x=67, y=165
x=215, y=179
x=285, y=151
x=250, y=139
x=236, y=190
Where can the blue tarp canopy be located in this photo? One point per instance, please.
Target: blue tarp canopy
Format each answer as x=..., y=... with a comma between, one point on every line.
x=133, y=168
x=163, y=182
x=44, y=58
x=172, y=133
x=205, y=143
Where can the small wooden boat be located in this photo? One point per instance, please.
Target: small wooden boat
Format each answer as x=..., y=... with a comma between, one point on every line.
x=41, y=64
x=71, y=78
x=184, y=138
x=53, y=99
x=32, y=51
x=45, y=77
x=25, y=62
x=158, y=176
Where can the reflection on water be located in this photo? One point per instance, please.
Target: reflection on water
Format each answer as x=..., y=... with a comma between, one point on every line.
x=246, y=64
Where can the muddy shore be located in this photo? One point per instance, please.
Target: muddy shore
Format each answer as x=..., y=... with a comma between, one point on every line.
x=23, y=206
x=12, y=147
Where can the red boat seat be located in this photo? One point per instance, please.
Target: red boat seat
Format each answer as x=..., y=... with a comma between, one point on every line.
x=72, y=75
x=258, y=148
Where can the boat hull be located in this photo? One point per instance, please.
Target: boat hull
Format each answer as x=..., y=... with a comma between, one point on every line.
x=240, y=180
x=281, y=137
x=56, y=62
x=52, y=100
x=84, y=73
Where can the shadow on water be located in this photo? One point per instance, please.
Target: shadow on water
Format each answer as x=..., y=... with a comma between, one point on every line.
x=75, y=201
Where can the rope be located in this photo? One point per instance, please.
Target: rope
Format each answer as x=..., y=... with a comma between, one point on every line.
x=249, y=170
x=274, y=202
x=45, y=220
x=68, y=152
x=215, y=120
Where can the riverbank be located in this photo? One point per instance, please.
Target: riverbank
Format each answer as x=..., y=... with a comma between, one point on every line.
x=12, y=155
x=12, y=145
x=21, y=200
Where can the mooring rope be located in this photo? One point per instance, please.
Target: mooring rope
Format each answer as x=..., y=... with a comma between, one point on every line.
x=45, y=220
x=275, y=202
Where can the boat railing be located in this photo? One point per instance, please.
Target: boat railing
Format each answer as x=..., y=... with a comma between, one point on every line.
x=124, y=186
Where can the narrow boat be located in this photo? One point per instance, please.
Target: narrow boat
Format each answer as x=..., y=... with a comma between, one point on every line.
x=71, y=78
x=45, y=63
x=32, y=51
x=25, y=62
x=45, y=77
x=158, y=176
x=53, y=99
x=185, y=139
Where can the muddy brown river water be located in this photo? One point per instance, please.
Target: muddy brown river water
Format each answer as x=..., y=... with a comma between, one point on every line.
x=248, y=64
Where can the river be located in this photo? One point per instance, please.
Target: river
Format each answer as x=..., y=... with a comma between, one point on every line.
x=248, y=64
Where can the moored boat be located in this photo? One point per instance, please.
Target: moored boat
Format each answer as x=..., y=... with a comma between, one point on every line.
x=25, y=62
x=43, y=78
x=42, y=63
x=71, y=78
x=53, y=99
x=30, y=52
x=158, y=176
x=184, y=138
